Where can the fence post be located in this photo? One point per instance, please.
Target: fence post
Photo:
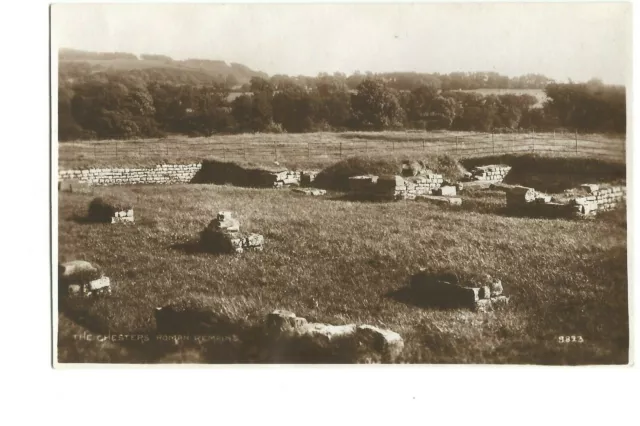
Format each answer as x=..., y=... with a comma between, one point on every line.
x=308, y=150
x=533, y=141
x=422, y=145
x=224, y=152
x=366, y=147
x=393, y=146
x=340, y=149
x=244, y=150
x=493, y=143
x=95, y=151
x=275, y=150
x=576, y=141
x=457, y=150
x=166, y=147
x=116, y=150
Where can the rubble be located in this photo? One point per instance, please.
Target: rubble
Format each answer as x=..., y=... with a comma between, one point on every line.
x=356, y=343
x=222, y=235
x=81, y=278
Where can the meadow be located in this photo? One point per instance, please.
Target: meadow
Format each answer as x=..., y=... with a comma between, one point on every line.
x=322, y=149
x=334, y=260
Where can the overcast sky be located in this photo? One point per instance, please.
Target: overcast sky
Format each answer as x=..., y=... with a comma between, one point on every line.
x=562, y=40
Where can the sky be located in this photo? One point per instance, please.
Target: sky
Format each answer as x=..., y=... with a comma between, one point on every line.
x=576, y=41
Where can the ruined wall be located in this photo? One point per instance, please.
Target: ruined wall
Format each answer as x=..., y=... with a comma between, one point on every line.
x=394, y=187
x=493, y=173
x=584, y=202
x=161, y=174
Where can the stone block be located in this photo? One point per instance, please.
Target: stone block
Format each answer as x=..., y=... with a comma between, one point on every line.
x=122, y=218
x=386, y=342
x=500, y=302
x=483, y=305
x=226, y=225
x=446, y=191
x=100, y=286
x=254, y=240
x=496, y=287
x=297, y=338
x=485, y=292
x=438, y=199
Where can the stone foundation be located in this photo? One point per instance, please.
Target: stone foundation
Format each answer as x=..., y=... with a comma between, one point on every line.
x=390, y=187
x=491, y=173
x=581, y=203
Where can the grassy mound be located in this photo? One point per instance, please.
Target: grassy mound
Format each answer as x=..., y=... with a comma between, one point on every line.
x=234, y=173
x=337, y=176
x=554, y=174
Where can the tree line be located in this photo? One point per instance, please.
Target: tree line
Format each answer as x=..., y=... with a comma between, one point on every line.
x=109, y=104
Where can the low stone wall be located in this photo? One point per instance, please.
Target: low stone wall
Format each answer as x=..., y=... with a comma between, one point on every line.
x=160, y=174
x=581, y=203
x=286, y=178
x=394, y=187
x=493, y=173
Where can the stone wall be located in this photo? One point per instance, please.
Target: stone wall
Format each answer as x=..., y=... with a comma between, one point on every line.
x=583, y=202
x=160, y=174
x=493, y=173
x=394, y=187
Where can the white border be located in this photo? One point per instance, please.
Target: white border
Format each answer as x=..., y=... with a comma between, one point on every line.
x=274, y=394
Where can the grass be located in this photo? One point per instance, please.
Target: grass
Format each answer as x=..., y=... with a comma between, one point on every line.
x=318, y=150
x=338, y=261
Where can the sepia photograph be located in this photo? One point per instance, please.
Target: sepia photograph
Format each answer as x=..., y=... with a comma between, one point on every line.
x=347, y=183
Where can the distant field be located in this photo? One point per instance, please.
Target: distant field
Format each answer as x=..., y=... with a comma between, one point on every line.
x=317, y=149
x=539, y=94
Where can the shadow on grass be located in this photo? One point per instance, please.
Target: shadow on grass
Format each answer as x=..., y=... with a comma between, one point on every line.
x=357, y=198
x=409, y=296
x=84, y=220
x=195, y=246
x=190, y=247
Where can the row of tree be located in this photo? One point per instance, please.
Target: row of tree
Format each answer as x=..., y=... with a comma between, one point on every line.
x=122, y=105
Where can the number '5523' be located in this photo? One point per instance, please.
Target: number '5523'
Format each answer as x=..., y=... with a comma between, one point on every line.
x=570, y=339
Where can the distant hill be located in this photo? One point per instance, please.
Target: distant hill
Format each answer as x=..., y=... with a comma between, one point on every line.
x=193, y=70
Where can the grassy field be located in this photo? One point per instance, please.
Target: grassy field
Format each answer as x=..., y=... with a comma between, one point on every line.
x=321, y=149
x=338, y=261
